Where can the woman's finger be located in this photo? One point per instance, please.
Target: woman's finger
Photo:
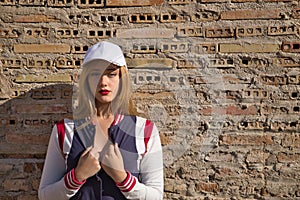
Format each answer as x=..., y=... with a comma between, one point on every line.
x=86, y=150
x=117, y=150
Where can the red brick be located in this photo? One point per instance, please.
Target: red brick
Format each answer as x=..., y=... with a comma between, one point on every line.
x=219, y=32
x=28, y=139
x=145, y=33
x=296, y=13
x=35, y=18
x=41, y=48
x=282, y=157
x=207, y=187
x=15, y=185
x=256, y=139
x=251, y=14
x=229, y=110
x=22, y=150
x=292, y=47
x=133, y=2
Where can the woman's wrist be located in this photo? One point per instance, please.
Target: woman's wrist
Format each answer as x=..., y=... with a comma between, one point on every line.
x=78, y=177
x=120, y=177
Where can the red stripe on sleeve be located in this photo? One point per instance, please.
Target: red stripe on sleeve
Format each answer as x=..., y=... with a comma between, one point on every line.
x=61, y=135
x=127, y=184
x=71, y=182
x=147, y=133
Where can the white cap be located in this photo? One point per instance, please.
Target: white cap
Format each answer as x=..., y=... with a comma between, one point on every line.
x=105, y=51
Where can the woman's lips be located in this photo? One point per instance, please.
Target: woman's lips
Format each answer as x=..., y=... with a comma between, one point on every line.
x=104, y=92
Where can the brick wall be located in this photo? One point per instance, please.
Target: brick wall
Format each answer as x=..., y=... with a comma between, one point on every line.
x=220, y=78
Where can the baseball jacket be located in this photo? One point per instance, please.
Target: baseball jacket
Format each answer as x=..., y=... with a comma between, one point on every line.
x=140, y=146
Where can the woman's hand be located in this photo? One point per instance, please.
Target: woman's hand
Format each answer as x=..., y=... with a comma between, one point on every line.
x=88, y=164
x=112, y=162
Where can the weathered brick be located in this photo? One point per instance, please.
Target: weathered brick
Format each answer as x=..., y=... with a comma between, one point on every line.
x=5, y=168
x=244, y=139
x=36, y=32
x=229, y=110
x=8, y=2
x=9, y=33
x=291, y=140
x=145, y=33
x=142, y=18
x=293, y=47
x=174, y=47
x=43, y=78
x=41, y=108
x=12, y=62
x=248, y=48
x=207, y=187
x=35, y=18
x=32, y=2
x=277, y=0
x=213, y=1
x=201, y=48
x=251, y=14
x=242, y=1
x=204, y=16
x=15, y=185
x=41, y=48
x=101, y=33
x=219, y=32
x=133, y=2
x=67, y=33
x=27, y=139
x=283, y=157
x=151, y=63
x=91, y=3
x=61, y=3
x=257, y=156
x=68, y=63
x=296, y=13
x=249, y=31
x=282, y=30
x=144, y=48
x=179, y=2
x=190, y=31
x=37, y=62
x=285, y=62
x=171, y=17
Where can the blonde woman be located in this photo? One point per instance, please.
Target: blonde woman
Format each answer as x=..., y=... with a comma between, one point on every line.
x=103, y=153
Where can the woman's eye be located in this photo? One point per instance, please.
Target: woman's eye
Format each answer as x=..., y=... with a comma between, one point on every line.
x=112, y=75
x=95, y=74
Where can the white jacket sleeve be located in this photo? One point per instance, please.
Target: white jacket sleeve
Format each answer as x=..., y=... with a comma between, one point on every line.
x=150, y=185
x=55, y=179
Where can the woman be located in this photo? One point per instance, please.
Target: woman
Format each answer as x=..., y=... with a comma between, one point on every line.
x=103, y=153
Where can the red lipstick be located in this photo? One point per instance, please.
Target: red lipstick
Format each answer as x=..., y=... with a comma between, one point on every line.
x=104, y=92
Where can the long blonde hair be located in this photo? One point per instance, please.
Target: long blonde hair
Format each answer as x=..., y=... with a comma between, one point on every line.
x=86, y=99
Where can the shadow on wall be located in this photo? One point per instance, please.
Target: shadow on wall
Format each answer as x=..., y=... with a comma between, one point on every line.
x=26, y=122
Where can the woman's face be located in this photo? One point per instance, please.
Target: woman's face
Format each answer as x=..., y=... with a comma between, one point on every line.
x=104, y=85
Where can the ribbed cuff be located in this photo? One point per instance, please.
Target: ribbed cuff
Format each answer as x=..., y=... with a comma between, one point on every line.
x=127, y=184
x=71, y=182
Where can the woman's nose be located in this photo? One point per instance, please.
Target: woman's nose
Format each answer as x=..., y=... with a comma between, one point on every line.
x=103, y=80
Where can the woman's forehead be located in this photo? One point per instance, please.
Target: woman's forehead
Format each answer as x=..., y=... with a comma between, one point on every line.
x=105, y=67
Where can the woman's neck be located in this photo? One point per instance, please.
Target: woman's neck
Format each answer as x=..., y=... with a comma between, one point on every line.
x=104, y=111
